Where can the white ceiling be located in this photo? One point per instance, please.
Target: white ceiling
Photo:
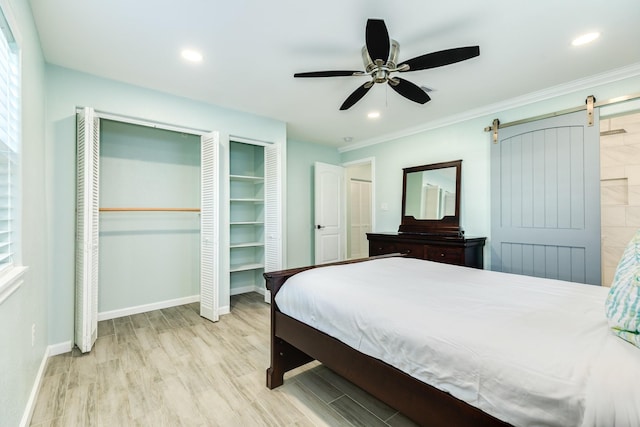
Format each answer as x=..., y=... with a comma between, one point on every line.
x=252, y=48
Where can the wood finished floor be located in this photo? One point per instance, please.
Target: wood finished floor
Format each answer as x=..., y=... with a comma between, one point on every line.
x=170, y=367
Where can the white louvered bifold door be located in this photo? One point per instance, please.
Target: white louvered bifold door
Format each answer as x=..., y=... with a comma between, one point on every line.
x=273, y=210
x=209, y=226
x=88, y=156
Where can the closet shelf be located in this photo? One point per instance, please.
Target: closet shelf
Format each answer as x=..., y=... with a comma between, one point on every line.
x=246, y=245
x=245, y=267
x=248, y=200
x=256, y=179
x=149, y=209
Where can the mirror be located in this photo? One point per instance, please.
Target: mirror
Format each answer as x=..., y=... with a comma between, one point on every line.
x=431, y=199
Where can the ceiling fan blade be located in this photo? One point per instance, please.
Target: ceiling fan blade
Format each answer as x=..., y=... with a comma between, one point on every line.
x=443, y=57
x=356, y=96
x=377, y=40
x=337, y=73
x=409, y=90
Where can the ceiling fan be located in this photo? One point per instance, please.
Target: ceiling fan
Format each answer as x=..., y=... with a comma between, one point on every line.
x=380, y=56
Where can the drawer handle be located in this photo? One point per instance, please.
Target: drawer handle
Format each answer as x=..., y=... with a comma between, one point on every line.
x=442, y=254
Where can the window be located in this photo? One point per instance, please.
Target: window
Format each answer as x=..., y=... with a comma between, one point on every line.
x=9, y=159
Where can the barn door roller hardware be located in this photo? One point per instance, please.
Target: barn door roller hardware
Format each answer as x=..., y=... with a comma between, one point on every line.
x=590, y=101
x=590, y=104
x=495, y=127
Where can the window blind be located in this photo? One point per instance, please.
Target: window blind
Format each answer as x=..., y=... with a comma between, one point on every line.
x=9, y=143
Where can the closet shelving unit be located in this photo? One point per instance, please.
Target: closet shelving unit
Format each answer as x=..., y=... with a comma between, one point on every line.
x=247, y=206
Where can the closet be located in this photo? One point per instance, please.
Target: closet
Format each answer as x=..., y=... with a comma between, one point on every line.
x=156, y=222
x=255, y=219
x=177, y=213
x=149, y=217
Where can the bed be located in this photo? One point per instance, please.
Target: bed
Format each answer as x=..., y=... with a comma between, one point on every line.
x=469, y=347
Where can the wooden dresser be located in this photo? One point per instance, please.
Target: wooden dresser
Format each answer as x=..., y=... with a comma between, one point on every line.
x=466, y=251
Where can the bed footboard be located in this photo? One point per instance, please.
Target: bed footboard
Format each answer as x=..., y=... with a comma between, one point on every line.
x=294, y=344
x=284, y=356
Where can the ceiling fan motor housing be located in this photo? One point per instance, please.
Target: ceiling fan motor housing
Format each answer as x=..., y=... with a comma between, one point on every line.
x=380, y=73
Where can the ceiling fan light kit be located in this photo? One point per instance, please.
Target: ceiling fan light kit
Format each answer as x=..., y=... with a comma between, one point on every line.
x=380, y=58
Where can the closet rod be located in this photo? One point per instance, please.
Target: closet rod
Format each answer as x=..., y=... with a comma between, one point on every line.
x=149, y=209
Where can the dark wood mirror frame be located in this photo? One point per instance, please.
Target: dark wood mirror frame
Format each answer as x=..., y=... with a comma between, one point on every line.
x=446, y=226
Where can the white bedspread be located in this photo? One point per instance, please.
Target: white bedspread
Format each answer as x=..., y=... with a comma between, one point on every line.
x=529, y=351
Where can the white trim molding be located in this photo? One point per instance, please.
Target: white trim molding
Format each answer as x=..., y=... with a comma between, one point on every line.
x=33, y=396
x=106, y=315
x=60, y=348
x=612, y=76
x=246, y=289
x=10, y=281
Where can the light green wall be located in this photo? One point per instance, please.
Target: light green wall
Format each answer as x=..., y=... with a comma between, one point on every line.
x=48, y=218
x=68, y=89
x=19, y=360
x=440, y=145
x=300, y=205
x=148, y=257
x=465, y=140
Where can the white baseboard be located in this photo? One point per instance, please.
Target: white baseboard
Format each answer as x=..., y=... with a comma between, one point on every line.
x=33, y=396
x=246, y=289
x=60, y=348
x=106, y=315
x=237, y=291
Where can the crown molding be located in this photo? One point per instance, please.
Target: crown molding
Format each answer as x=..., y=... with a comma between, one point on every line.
x=611, y=76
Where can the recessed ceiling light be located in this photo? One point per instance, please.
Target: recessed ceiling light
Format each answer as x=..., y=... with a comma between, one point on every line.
x=373, y=115
x=191, y=55
x=585, y=38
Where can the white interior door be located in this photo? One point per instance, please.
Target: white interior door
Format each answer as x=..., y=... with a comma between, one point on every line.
x=329, y=213
x=209, y=226
x=87, y=229
x=545, y=199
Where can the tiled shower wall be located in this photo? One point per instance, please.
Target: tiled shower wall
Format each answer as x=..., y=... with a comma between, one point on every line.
x=619, y=188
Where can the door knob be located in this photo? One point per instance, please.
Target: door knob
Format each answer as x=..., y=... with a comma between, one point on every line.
x=320, y=227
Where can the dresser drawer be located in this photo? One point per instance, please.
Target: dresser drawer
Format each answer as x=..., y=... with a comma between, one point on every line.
x=460, y=251
x=445, y=254
x=377, y=247
x=412, y=250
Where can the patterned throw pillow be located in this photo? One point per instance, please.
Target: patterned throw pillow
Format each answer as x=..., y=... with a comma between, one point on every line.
x=623, y=302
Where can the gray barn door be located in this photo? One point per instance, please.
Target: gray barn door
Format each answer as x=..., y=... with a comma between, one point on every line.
x=545, y=199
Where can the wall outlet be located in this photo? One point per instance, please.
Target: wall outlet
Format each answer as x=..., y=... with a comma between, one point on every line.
x=33, y=335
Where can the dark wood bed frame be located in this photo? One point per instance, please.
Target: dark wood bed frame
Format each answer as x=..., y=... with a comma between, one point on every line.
x=294, y=344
